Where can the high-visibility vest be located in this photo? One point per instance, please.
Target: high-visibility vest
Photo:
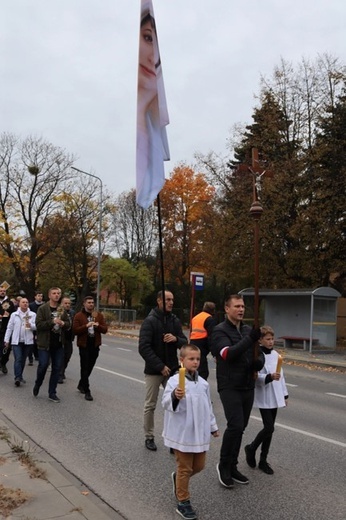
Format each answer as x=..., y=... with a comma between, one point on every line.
x=197, y=326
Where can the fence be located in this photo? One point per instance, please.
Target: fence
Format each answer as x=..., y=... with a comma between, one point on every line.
x=122, y=318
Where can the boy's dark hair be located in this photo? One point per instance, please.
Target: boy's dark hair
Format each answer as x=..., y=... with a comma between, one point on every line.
x=190, y=346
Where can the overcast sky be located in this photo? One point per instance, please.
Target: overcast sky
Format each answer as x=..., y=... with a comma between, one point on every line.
x=69, y=70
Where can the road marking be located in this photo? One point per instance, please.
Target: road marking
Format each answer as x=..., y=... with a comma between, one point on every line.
x=125, y=349
x=336, y=395
x=308, y=434
x=121, y=375
x=290, y=384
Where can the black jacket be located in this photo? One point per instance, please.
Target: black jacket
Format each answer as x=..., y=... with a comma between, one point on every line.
x=151, y=347
x=237, y=370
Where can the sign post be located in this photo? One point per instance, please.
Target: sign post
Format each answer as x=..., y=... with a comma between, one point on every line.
x=197, y=284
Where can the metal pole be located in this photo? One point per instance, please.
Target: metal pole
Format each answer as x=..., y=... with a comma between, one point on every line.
x=99, y=236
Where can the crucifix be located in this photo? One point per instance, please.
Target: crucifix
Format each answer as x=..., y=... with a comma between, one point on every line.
x=256, y=211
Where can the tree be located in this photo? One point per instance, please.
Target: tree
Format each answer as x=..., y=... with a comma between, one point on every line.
x=135, y=229
x=187, y=214
x=125, y=280
x=290, y=130
x=33, y=174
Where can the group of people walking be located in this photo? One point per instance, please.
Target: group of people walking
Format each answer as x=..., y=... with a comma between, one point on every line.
x=46, y=331
x=246, y=376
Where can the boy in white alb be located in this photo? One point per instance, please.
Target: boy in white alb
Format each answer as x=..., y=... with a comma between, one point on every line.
x=188, y=423
x=270, y=394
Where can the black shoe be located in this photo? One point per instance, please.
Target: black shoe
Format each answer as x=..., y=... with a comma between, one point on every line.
x=264, y=466
x=173, y=476
x=224, y=481
x=250, y=456
x=54, y=398
x=171, y=451
x=185, y=510
x=88, y=396
x=4, y=369
x=30, y=363
x=60, y=380
x=80, y=388
x=36, y=390
x=238, y=477
x=150, y=444
x=17, y=382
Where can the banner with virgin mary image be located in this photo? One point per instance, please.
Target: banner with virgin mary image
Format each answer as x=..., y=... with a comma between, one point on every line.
x=152, y=113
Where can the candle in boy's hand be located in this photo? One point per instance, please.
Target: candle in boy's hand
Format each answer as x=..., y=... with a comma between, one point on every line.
x=279, y=364
x=182, y=371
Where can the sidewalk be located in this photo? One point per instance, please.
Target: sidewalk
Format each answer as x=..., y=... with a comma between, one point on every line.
x=58, y=496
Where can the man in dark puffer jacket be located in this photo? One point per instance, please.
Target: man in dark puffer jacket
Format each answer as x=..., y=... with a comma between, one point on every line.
x=159, y=337
x=233, y=346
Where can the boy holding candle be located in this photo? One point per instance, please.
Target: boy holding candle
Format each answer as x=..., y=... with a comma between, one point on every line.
x=188, y=422
x=270, y=394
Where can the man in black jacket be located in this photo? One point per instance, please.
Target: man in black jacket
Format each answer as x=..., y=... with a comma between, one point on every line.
x=236, y=365
x=159, y=337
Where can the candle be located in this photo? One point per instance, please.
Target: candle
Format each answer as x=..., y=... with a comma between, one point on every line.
x=279, y=364
x=182, y=371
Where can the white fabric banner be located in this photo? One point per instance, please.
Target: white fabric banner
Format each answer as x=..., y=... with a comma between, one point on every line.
x=152, y=113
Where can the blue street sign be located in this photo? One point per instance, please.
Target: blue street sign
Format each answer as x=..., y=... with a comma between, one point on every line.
x=199, y=282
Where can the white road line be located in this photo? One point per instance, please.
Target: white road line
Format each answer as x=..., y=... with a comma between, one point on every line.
x=290, y=384
x=336, y=395
x=296, y=430
x=121, y=375
x=125, y=349
x=308, y=434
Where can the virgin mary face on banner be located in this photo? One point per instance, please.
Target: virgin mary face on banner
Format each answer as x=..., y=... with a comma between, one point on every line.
x=149, y=65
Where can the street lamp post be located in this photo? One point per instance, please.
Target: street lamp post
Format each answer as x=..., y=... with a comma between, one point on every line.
x=99, y=235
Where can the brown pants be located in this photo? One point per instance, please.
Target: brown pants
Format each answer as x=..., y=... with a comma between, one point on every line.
x=188, y=464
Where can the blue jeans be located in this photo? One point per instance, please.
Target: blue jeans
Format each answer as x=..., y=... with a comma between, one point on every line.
x=56, y=355
x=20, y=353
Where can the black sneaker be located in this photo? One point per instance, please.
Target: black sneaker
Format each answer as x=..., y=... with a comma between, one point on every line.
x=17, y=382
x=173, y=476
x=250, y=456
x=54, y=398
x=36, y=390
x=4, y=369
x=185, y=510
x=60, y=380
x=224, y=481
x=238, y=477
x=264, y=466
x=150, y=444
x=88, y=396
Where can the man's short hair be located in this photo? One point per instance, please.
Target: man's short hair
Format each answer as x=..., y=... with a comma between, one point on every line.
x=209, y=307
x=88, y=298
x=233, y=297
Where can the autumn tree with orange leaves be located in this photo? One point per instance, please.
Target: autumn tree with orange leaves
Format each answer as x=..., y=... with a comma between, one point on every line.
x=187, y=213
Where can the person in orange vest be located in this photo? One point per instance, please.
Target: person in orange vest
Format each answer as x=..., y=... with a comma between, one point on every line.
x=202, y=326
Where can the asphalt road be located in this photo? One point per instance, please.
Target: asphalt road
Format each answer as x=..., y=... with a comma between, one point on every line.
x=102, y=443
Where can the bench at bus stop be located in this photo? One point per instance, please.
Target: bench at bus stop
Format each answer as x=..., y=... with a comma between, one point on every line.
x=289, y=341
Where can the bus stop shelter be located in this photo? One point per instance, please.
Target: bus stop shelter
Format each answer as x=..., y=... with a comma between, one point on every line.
x=304, y=317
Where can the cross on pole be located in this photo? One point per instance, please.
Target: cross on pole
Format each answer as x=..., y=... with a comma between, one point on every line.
x=256, y=211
